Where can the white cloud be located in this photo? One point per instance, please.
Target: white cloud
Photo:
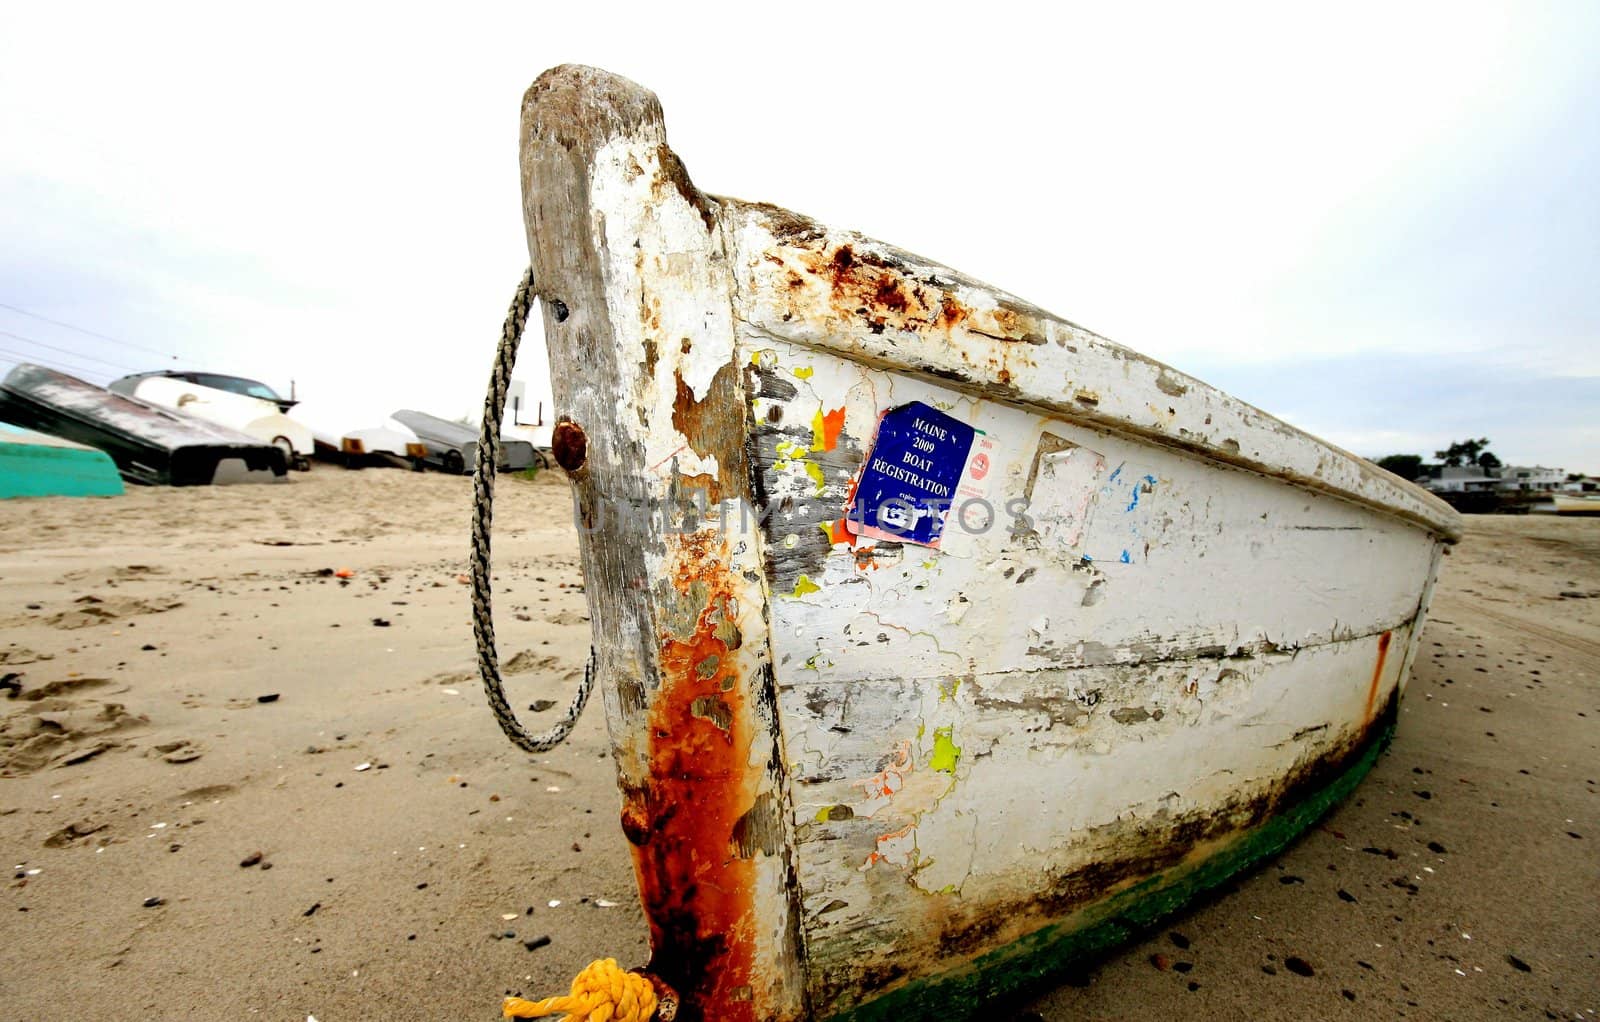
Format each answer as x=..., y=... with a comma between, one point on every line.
x=331, y=195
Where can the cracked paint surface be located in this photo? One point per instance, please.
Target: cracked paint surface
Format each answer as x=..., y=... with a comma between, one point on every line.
x=964, y=724
x=850, y=765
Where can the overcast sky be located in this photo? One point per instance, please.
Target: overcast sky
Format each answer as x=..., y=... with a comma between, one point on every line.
x=1380, y=223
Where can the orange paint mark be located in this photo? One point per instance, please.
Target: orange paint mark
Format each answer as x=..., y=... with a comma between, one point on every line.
x=839, y=532
x=1377, y=672
x=698, y=891
x=826, y=429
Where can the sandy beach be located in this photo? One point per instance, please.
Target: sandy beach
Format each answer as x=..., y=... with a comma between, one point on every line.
x=235, y=784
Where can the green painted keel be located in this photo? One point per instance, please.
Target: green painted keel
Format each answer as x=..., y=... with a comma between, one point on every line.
x=35, y=465
x=972, y=988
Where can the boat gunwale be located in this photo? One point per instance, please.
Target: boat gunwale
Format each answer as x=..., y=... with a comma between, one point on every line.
x=927, y=353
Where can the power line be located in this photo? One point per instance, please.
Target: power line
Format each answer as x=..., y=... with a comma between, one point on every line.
x=91, y=333
x=67, y=351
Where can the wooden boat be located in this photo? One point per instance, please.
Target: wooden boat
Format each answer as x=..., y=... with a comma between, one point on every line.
x=36, y=465
x=249, y=407
x=452, y=447
x=149, y=444
x=1576, y=503
x=943, y=642
x=337, y=438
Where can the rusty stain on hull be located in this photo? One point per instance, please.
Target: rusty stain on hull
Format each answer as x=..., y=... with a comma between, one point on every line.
x=1377, y=672
x=685, y=823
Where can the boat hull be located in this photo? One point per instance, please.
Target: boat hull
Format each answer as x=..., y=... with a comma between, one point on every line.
x=1575, y=505
x=36, y=465
x=255, y=417
x=1081, y=936
x=452, y=446
x=935, y=631
x=150, y=445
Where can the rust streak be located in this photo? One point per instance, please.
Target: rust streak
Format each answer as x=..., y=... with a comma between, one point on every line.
x=1377, y=674
x=697, y=887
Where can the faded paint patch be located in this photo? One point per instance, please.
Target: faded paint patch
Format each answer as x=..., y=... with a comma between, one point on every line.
x=946, y=753
x=714, y=427
x=810, y=514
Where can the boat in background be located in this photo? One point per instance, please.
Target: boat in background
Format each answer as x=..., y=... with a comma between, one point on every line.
x=34, y=464
x=1576, y=503
x=338, y=438
x=945, y=643
x=148, y=443
x=246, y=406
x=453, y=447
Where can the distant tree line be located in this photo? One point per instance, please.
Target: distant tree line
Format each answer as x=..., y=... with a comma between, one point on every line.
x=1457, y=455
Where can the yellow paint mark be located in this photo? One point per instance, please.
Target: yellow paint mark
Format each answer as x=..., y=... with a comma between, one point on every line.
x=946, y=753
x=948, y=694
x=802, y=372
x=815, y=472
x=804, y=585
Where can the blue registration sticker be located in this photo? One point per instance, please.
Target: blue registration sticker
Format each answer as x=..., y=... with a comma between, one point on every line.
x=909, y=481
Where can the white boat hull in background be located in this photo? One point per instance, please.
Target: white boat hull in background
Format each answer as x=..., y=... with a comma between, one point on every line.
x=255, y=417
x=343, y=436
x=1576, y=504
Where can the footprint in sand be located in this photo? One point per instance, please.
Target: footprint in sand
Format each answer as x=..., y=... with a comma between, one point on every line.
x=73, y=833
x=183, y=751
x=46, y=729
x=133, y=571
x=528, y=660
x=209, y=791
x=87, y=611
x=15, y=655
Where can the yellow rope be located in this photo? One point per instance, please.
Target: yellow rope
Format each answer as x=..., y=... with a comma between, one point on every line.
x=601, y=993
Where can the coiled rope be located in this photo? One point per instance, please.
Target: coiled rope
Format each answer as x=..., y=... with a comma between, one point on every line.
x=494, y=405
x=602, y=992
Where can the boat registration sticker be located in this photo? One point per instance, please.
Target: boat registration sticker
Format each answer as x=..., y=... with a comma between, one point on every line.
x=911, y=476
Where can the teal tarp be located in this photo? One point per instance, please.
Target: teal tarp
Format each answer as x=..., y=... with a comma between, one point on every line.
x=35, y=465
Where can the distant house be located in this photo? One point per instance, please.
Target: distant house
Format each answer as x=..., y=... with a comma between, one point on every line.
x=1464, y=479
x=1534, y=478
